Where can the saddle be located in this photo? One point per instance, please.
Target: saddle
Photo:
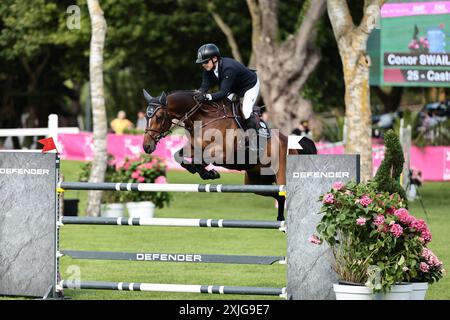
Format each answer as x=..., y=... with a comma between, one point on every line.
x=262, y=127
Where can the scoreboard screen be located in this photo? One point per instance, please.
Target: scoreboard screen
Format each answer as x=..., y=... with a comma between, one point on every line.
x=412, y=45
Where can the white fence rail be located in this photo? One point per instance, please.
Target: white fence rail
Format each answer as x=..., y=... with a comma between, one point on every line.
x=51, y=131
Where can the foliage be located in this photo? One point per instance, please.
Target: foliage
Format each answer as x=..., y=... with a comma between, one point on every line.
x=374, y=239
x=388, y=174
x=110, y=176
x=333, y=131
x=145, y=169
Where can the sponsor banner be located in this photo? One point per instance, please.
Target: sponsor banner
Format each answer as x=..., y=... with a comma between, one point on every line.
x=434, y=162
x=391, y=10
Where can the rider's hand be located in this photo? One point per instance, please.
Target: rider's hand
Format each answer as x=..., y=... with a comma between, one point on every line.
x=201, y=97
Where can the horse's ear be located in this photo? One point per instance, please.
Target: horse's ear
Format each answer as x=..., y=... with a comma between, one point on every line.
x=163, y=98
x=147, y=95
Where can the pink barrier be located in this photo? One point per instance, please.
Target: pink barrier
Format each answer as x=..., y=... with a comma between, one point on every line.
x=434, y=162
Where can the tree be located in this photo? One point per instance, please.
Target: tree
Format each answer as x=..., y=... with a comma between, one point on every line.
x=388, y=174
x=98, y=26
x=284, y=66
x=351, y=41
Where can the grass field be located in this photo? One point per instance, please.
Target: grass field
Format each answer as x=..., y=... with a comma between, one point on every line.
x=436, y=198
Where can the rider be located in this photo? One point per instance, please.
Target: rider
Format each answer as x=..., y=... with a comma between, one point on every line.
x=232, y=78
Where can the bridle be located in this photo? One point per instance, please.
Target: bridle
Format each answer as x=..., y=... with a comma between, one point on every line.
x=152, y=109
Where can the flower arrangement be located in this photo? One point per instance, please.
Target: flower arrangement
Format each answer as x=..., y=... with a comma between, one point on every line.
x=418, y=44
x=374, y=239
x=145, y=169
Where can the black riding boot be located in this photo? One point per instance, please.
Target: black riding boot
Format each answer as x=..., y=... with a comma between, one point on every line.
x=251, y=123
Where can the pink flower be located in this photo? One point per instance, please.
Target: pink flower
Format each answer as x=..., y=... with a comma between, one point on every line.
x=136, y=174
x=431, y=258
x=161, y=179
x=426, y=253
x=328, y=198
x=338, y=186
x=379, y=220
x=141, y=179
x=419, y=225
x=314, y=239
x=396, y=230
x=424, y=267
x=148, y=166
x=361, y=221
x=404, y=216
x=127, y=165
x=365, y=200
x=426, y=236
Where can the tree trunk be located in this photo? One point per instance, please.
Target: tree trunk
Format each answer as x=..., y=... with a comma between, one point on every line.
x=284, y=67
x=99, y=163
x=352, y=42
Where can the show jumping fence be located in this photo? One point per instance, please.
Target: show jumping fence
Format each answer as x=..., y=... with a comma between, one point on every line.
x=173, y=222
x=30, y=229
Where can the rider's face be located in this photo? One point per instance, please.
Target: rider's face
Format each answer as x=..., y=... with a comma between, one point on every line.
x=208, y=66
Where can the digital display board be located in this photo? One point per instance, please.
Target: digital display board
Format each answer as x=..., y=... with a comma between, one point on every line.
x=413, y=45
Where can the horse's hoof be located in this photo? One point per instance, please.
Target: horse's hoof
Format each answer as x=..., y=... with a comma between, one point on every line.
x=209, y=175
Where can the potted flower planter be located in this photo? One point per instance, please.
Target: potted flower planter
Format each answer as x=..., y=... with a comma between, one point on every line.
x=112, y=210
x=346, y=291
x=397, y=292
x=352, y=292
x=419, y=290
x=141, y=209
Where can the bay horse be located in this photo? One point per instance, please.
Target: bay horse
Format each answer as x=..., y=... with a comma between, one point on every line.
x=221, y=118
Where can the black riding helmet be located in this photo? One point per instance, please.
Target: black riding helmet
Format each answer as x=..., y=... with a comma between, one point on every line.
x=206, y=52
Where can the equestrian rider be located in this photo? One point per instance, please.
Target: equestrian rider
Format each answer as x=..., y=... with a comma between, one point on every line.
x=232, y=78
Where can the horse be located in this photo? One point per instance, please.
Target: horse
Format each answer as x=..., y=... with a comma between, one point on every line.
x=219, y=117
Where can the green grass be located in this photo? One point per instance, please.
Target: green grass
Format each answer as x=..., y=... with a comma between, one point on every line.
x=436, y=198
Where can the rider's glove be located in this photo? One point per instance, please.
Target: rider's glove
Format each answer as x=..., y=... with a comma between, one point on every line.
x=202, y=97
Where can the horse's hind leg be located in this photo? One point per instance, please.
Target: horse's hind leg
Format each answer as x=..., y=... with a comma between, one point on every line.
x=281, y=200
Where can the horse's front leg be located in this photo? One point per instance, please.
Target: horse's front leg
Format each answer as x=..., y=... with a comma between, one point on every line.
x=195, y=168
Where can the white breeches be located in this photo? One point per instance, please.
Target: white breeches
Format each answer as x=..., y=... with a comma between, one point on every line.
x=250, y=97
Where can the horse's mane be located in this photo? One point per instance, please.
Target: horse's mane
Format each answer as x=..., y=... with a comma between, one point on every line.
x=184, y=92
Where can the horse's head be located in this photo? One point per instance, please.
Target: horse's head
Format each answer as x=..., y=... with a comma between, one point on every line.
x=159, y=121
